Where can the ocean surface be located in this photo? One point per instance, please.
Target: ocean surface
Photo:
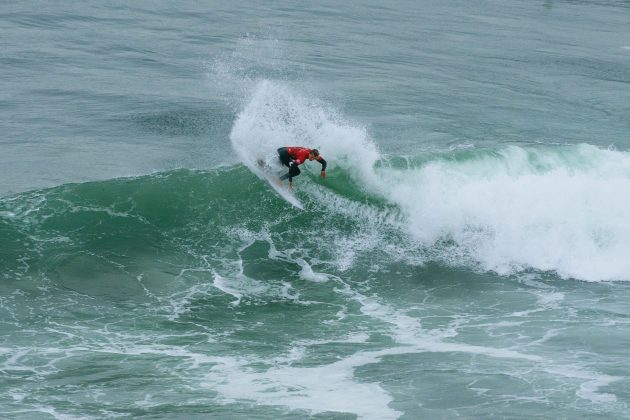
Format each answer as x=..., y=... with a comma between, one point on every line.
x=468, y=255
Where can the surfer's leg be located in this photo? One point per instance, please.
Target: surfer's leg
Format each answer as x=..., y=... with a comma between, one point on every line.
x=293, y=171
x=283, y=155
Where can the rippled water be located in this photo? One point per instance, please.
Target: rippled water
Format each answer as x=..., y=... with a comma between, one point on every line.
x=466, y=256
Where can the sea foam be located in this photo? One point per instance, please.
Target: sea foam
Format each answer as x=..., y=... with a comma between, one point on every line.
x=561, y=210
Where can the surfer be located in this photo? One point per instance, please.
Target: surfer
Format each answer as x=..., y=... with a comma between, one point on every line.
x=292, y=157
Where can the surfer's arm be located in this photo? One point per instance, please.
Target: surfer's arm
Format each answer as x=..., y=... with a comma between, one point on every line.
x=323, y=162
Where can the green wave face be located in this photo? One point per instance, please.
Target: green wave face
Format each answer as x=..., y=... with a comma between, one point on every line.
x=503, y=210
x=98, y=237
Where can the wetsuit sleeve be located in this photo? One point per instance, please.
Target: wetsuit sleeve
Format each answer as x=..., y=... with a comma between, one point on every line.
x=323, y=162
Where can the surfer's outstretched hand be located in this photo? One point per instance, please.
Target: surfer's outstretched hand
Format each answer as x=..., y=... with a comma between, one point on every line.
x=324, y=174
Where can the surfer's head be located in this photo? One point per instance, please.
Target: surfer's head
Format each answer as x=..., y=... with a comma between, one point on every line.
x=314, y=154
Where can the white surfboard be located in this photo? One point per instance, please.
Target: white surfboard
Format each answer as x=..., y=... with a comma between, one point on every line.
x=268, y=173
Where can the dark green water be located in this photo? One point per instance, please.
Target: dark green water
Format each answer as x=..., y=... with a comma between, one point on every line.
x=467, y=255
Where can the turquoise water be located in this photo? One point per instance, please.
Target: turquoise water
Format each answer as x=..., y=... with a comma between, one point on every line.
x=467, y=255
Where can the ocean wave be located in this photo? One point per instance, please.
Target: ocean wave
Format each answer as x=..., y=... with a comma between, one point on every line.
x=560, y=209
x=508, y=209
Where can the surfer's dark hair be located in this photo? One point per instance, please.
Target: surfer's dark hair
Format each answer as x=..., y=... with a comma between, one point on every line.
x=315, y=152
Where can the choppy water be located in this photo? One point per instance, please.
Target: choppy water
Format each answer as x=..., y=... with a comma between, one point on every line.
x=467, y=255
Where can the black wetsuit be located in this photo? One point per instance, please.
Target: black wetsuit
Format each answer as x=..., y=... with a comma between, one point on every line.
x=294, y=170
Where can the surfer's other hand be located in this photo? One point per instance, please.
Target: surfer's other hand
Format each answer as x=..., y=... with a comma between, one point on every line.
x=324, y=174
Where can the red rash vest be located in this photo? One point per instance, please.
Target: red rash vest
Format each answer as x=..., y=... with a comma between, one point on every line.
x=300, y=155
